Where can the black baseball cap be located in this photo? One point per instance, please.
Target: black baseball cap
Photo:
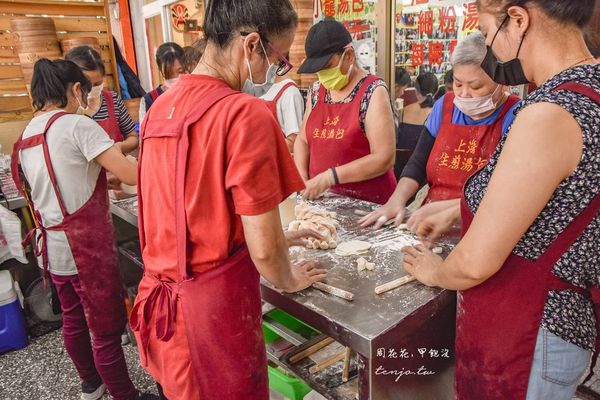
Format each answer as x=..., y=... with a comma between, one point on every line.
x=324, y=39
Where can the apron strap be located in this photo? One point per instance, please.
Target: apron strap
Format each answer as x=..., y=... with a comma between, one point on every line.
x=448, y=109
x=181, y=160
x=283, y=89
x=581, y=89
x=110, y=105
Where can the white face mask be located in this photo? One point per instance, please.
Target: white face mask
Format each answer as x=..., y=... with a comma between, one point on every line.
x=474, y=106
x=95, y=92
x=260, y=89
x=169, y=83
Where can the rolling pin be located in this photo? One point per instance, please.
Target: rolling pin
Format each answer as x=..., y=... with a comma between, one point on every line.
x=327, y=363
x=346, y=370
x=334, y=291
x=311, y=350
x=386, y=287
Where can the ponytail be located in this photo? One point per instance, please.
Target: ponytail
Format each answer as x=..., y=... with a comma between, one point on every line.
x=428, y=102
x=427, y=85
x=52, y=80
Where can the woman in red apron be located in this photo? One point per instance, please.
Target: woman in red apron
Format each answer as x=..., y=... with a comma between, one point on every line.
x=62, y=156
x=347, y=141
x=104, y=106
x=460, y=135
x=170, y=59
x=213, y=170
x=527, y=266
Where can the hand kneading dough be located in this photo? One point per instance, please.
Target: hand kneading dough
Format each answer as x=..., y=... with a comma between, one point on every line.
x=320, y=221
x=353, y=247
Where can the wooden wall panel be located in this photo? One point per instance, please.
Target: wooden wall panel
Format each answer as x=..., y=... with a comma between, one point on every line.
x=72, y=19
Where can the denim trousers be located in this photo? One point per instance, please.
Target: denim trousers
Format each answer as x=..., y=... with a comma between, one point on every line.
x=557, y=368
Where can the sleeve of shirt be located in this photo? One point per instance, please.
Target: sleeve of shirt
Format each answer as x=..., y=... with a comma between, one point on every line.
x=509, y=118
x=290, y=111
x=90, y=138
x=260, y=170
x=126, y=124
x=434, y=121
x=313, y=93
x=416, y=168
x=142, y=113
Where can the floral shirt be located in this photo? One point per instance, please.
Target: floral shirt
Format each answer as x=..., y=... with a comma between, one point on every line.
x=567, y=314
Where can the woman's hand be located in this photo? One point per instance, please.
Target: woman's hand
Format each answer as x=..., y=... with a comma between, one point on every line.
x=304, y=274
x=113, y=182
x=318, y=185
x=297, y=238
x=428, y=210
x=390, y=210
x=436, y=225
x=422, y=263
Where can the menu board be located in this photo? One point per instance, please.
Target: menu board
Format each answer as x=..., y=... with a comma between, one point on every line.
x=427, y=31
x=358, y=16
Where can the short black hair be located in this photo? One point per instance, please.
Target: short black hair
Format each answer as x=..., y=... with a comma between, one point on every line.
x=166, y=55
x=402, y=77
x=577, y=12
x=52, y=80
x=87, y=58
x=223, y=19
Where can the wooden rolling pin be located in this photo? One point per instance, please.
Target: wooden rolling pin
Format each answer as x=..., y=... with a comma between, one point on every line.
x=327, y=363
x=346, y=370
x=334, y=291
x=386, y=287
x=311, y=350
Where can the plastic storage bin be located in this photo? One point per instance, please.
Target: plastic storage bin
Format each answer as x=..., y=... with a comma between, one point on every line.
x=288, y=386
x=13, y=332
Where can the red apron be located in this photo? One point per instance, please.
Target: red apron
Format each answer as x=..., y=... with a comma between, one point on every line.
x=460, y=150
x=111, y=124
x=335, y=138
x=498, y=321
x=272, y=104
x=221, y=307
x=91, y=238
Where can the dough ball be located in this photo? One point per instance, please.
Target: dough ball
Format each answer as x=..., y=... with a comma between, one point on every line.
x=294, y=226
x=437, y=250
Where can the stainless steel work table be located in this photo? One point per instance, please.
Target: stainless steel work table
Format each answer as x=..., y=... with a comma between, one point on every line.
x=403, y=338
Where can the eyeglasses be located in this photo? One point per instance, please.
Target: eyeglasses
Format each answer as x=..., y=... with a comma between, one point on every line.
x=283, y=65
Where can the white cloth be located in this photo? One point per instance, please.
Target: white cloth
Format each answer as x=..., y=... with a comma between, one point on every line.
x=142, y=112
x=10, y=237
x=290, y=107
x=74, y=141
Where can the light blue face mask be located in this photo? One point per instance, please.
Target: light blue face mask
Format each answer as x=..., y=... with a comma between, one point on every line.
x=260, y=89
